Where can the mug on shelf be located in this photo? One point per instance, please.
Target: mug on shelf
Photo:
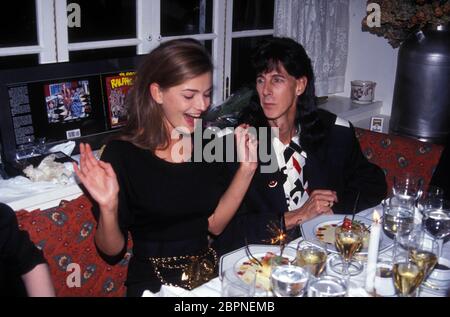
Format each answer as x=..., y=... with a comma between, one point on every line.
x=362, y=91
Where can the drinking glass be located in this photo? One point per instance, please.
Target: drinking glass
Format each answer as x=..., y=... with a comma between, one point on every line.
x=327, y=286
x=384, y=284
x=234, y=286
x=436, y=221
x=407, y=275
x=407, y=186
x=311, y=257
x=397, y=219
x=433, y=198
x=423, y=251
x=348, y=242
x=288, y=280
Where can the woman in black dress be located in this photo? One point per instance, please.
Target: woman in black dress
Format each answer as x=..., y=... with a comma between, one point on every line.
x=147, y=182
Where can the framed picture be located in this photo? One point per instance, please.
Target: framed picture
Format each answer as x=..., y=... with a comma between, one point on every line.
x=376, y=124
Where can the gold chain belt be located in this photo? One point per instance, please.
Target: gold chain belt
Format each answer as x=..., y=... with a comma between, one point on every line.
x=186, y=271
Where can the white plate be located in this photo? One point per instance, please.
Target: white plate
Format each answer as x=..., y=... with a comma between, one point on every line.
x=235, y=258
x=309, y=228
x=238, y=261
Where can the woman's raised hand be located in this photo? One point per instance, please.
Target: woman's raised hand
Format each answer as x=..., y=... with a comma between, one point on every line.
x=247, y=147
x=99, y=178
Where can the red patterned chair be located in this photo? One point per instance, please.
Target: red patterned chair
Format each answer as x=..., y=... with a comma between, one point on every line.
x=398, y=155
x=65, y=233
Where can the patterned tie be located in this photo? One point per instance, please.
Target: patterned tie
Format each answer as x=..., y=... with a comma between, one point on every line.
x=289, y=151
x=288, y=155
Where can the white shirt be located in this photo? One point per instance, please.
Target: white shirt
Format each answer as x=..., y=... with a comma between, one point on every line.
x=295, y=187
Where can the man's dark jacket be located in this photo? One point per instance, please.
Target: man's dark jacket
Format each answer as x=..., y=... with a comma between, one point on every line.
x=336, y=164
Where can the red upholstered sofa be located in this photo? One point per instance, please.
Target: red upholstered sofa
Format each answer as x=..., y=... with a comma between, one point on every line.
x=65, y=233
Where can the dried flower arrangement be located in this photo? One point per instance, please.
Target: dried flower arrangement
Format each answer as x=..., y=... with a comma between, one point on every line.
x=401, y=18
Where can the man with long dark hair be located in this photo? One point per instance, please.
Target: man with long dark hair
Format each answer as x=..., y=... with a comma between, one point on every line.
x=321, y=169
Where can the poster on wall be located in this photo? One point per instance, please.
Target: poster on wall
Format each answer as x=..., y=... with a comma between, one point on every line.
x=67, y=101
x=117, y=88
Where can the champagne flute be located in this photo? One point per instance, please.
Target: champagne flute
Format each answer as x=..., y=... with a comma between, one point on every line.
x=407, y=275
x=424, y=252
x=311, y=257
x=348, y=241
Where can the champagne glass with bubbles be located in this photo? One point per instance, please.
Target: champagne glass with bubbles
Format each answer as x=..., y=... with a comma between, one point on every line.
x=424, y=252
x=407, y=274
x=348, y=241
x=311, y=257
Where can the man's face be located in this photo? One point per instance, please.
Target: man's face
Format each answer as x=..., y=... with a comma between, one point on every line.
x=278, y=92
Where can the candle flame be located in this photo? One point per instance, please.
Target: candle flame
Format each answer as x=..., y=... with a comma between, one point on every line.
x=376, y=216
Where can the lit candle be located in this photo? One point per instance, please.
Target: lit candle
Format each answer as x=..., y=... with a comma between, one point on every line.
x=372, y=257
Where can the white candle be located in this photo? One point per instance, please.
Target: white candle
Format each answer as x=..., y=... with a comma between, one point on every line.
x=372, y=257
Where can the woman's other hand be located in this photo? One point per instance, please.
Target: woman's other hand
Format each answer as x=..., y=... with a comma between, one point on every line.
x=99, y=179
x=320, y=202
x=247, y=147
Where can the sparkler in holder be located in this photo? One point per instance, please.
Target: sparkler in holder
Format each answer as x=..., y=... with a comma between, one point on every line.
x=278, y=232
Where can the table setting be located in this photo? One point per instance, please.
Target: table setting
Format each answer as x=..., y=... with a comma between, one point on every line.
x=395, y=249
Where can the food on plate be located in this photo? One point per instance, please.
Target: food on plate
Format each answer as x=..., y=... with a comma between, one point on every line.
x=248, y=267
x=326, y=232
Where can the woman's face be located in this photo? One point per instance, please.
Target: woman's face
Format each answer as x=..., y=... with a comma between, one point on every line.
x=183, y=104
x=278, y=92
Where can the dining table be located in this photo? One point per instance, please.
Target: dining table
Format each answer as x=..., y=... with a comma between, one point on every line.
x=356, y=283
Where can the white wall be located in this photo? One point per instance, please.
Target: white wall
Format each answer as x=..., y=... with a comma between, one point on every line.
x=370, y=58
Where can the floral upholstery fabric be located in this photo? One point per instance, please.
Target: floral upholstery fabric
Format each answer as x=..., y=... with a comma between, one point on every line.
x=65, y=234
x=398, y=155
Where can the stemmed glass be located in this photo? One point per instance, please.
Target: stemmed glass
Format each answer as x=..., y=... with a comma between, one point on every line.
x=311, y=257
x=348, y=241
x=407, y=275
x=423, y=251
x=436, y=221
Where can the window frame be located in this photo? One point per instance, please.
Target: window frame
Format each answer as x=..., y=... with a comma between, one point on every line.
x=53, y=45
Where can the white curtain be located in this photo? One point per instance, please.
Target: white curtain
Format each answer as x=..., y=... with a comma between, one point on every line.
x=321, y=26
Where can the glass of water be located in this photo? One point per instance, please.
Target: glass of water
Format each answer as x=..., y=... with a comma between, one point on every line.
x=288, y=280
x=327, y=286
x=397, y=219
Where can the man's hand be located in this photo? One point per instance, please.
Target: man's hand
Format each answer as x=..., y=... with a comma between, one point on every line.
x=320, y=202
